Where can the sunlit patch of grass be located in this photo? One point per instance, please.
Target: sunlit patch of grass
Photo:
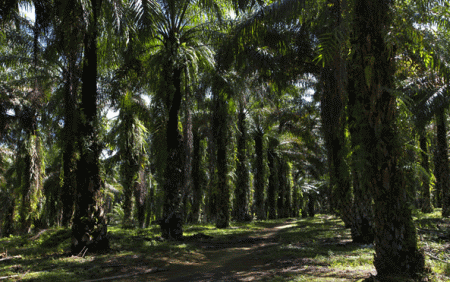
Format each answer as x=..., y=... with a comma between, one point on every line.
x=326, y=244
x=322, y=241
x=430, y=227
x=304, y=278
x=358, y=262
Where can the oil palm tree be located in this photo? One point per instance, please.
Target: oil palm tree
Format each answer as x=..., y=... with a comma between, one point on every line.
x=89, y=228
x=128, y=135
x=242, y=190
x=373, y=105
x=30, y=87
x=427, y=90
x=176, y=53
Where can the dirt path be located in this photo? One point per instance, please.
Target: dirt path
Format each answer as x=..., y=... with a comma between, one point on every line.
x=234, y=260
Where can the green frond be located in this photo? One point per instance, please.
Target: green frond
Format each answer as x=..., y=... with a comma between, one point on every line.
x=436, y=100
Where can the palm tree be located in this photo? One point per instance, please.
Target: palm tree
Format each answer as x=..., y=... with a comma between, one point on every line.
x=30, y=90
x=221, y=134
x=68, y=41
x=198, y=170
x=427, y=89
x=89, y=229
x=273, y=186
x=333, y=102
x=128, y=135
x=178, y=52
x=373, y=105
x=260, y=174
x=242, y=190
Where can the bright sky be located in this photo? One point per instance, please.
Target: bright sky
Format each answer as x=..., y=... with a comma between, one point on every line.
x=28, y=11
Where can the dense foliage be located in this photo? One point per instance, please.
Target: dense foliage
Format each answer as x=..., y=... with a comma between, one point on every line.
x=131, y=112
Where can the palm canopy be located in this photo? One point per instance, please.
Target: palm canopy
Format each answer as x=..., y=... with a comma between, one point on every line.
x=424, y=72
x=178, y=40
x=277, y=40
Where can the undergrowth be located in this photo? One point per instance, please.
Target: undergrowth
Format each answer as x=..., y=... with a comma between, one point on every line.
x=311, y=249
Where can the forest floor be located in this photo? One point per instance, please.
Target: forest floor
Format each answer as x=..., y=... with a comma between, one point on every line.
x=311, y=249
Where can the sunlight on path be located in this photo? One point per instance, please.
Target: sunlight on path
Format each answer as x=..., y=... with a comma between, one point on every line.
x=285, y=226
x=233, y=263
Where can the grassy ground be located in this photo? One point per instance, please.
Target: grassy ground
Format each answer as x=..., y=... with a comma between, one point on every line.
x=313, y=249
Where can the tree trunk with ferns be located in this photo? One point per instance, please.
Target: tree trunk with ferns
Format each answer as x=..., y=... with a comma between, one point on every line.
x=31, y=173
x=188, y=148
x=221, y=133
x=211, y=207
x=333, y=122
x=442, y=165
x=287, y=197
x=362, y=228
x=69, y=33
x=426, y=195
x=89, y=229
x=362, y=224
x=242, y=190
x=437, y=186
x=281, y=187
x=174, y=175
x=67, y=193
x=129, y=177
x=372, y=61
x=297, y=196
x=259, y=176
x=197, y=177
x=140, y=194
x=272, y=189
x=30, y=153
x=333, y=79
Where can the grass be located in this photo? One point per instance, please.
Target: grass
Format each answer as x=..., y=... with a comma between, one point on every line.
x=311, y=249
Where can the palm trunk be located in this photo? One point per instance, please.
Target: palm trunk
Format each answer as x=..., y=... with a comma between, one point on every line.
x=287, y=190
x=259, y=177
x=188, y=148
x=89, y=229
x=211, y=211
x=311, y=205
x=31, y=180
x=242, y=186
x=221, y=125
x=8, y=223
x=396, y=252
x=272, y=189
x=128, y=173
x=333, y=120
x=443, y=163
x=426, y=197
x=69, y=162
x=173, y=194
x=140, y=196
x=70, y=31
x=197, y=178
x=150, y=204
x=284, y=189
x=437, y=185
x=281, y=187
x=296, y=197
x=362, y=222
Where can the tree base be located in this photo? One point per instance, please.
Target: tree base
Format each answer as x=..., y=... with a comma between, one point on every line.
x=89, y=235
x=171, y=227
x=362, y=231
x=407, y=269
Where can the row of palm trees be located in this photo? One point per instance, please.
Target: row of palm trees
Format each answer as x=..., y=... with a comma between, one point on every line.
x=117, y=50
